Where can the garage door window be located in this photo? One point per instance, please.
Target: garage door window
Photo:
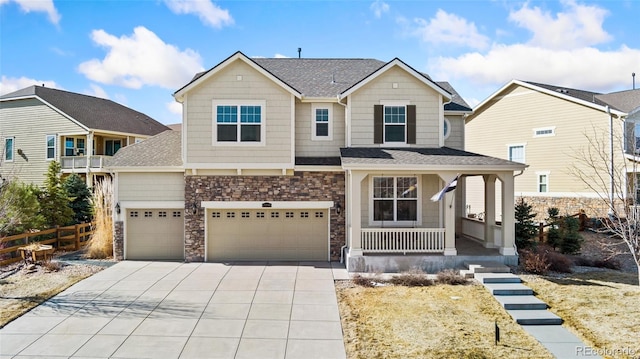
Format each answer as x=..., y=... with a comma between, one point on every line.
x=162, y=214
x=215, y=215
x=260, y=215
x=304, y=214
x=231, y=214
x=133, y=214
x=148, y=214
x=177, y=214
x=275, y=214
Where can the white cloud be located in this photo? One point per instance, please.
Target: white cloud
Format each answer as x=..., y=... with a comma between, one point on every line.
x=281, y=56
x=379, y=7
x=37, y=5
x=586, y=68
x=208, y=12
x=577, y=26
x=97, y=91
x=11, y=84
x=140, y=59
x=449, y=29
x=174, y=107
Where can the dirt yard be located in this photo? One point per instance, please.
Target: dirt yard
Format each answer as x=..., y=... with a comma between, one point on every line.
x=22, y=289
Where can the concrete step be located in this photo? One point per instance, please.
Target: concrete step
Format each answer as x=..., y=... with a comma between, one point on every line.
x=487, y=267
x=535, y=317
x=508, y=289
x=466, y=273
x=521, y=302
x=497, y=278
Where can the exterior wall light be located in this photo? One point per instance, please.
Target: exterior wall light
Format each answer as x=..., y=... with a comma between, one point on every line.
x=118, y=208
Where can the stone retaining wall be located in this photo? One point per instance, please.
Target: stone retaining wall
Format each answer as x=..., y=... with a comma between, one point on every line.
x=593, y=207
x=302, y=186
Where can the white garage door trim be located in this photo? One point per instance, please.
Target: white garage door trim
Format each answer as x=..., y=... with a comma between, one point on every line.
x=128, y=205
x=261, y=204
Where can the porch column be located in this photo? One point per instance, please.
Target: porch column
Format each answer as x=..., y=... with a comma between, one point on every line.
x=508, y=214
x=449, y=203
x=489, y=210
x=353, y=212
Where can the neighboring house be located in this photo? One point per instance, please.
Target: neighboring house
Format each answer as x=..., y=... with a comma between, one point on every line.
x=307, y=159
x=39, y=125
x=549, y=128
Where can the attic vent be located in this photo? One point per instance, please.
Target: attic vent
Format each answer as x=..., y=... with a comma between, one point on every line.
x=562, y=90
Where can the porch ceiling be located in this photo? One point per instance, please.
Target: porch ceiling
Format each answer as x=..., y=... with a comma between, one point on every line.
x=442, y=158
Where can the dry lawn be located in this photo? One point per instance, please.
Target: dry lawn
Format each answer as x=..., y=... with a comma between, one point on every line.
x=601, y=307
x=20, y=291
x=440, y=321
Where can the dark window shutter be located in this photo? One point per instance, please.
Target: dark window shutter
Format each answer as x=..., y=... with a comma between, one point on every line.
x=378, y=123
x=411, y=124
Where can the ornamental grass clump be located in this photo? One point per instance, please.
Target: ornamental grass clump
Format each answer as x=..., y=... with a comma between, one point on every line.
x=101, y=243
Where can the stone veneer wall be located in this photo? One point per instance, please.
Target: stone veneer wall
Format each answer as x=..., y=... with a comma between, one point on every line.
x=118, y=240
x=593, y=207
x=302, y=186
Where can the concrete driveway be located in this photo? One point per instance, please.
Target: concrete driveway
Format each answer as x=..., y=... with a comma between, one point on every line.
x=187, y=310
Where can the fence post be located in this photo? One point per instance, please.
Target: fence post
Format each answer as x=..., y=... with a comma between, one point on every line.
x=77, y=246
x=58, y=236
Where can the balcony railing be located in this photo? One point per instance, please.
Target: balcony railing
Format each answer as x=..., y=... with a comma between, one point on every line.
x=80, y=162
x=402, y=240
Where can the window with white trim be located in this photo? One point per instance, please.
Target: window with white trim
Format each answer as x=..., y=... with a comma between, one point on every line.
x=447, y=128
x=51, y=147
x=516, y=153
x=9, y=146
x=395, y=199
x=239, y=123
x=544, y=132
x=321, y=122
x=395, y=124
x=543, y=182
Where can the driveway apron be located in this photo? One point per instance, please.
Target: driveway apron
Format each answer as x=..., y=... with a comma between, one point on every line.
x=138, y=309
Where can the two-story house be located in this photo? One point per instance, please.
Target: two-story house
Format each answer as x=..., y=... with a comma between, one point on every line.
x=40, y=124
x=308, y=159
x=570, y=138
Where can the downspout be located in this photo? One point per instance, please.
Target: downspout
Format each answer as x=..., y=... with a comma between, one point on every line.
x=347, y=141
x=611, y=183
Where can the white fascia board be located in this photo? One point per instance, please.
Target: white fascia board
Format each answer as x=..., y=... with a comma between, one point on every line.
x=407, y=68
x=51, y=106
x=311, y=168
x=178, y=95
x=132, y=169
x=99, y=132
x=247, y=166
x=478, y=169
x=274, y=204
x=457, y=113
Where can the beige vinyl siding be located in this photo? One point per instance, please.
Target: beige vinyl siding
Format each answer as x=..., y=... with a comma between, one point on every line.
x=305, y=146
x=456, y=136
x=409, y=88
x=512, y=118
x=150, y=186
x=226, y=85
x=29, y=121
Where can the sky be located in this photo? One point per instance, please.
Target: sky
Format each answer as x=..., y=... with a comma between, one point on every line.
x=139, y=52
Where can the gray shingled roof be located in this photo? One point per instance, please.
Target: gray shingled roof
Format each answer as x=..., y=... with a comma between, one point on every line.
x=93, y=112
x=318, y=161
x=402, y=157
x=330, y=77
x=162, y=150
x=624, y=101
x=588, y=96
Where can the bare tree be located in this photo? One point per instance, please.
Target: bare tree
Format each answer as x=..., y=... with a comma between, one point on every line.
x=603, y=167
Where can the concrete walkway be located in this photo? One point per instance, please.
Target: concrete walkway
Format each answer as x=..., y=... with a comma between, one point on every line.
x=530, y=312
x=187, y=310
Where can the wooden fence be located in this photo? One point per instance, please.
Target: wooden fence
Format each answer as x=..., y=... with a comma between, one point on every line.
x=583, y=220
x=71, y=237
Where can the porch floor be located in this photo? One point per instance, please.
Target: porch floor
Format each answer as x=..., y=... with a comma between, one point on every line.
x=468, y=247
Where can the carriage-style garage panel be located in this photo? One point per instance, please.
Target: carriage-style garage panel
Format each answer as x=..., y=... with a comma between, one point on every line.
x=268, y=234
x=154, y=234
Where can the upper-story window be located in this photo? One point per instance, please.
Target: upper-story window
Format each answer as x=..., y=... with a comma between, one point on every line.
x=516, y=153
x=51, y=147
x=394, y=123
x=632, y=137
x=321, y=122
x=9, y=144
x=447, y=128
x=239, y=123
x=74, y=146
x=543, y=181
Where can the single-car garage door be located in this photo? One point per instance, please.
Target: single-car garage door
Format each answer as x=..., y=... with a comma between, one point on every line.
x=155, y=234
x=268, y=234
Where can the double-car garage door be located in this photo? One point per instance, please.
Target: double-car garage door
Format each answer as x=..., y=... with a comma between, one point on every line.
x=155, y=234
x=267, y=234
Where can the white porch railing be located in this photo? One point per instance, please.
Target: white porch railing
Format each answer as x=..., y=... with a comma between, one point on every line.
x=402, y=240
x=80, y=162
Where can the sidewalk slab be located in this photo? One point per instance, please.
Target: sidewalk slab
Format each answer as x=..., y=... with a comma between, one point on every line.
x=560, y=342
